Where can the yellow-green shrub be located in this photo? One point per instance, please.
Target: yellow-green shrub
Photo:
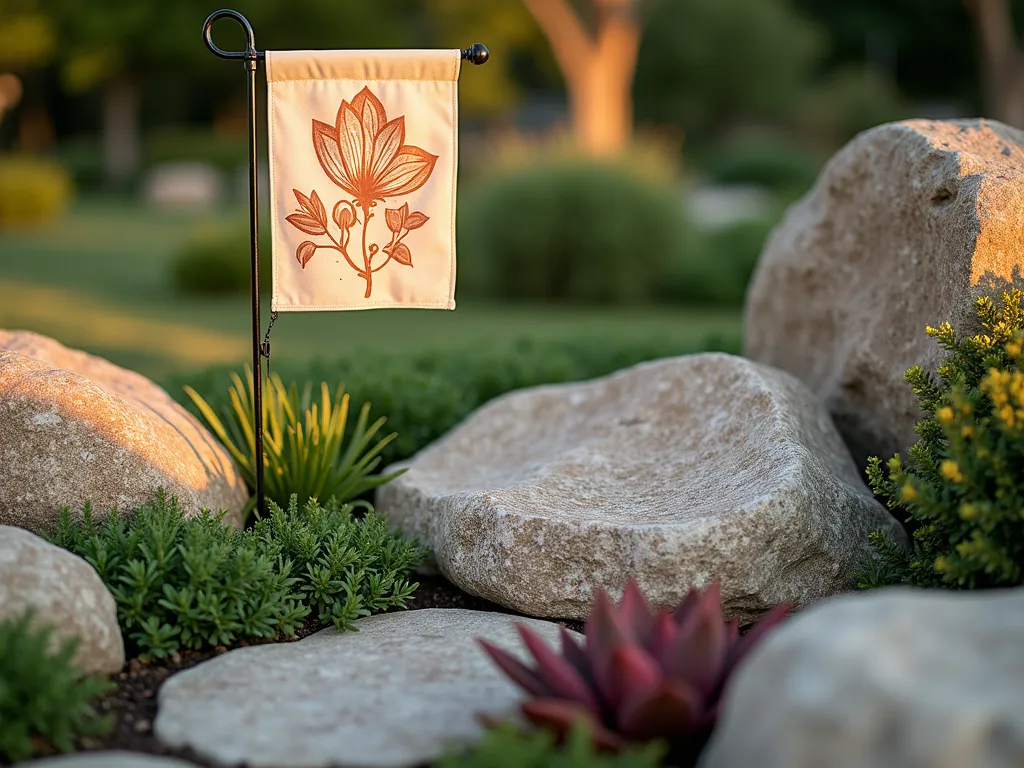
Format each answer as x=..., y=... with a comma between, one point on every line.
x=960, y=488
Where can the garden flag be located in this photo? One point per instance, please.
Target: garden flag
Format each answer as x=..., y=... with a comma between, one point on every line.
x=363, y=156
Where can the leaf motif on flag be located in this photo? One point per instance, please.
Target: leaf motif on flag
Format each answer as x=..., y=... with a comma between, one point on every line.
x=416, y=220
x=364, y=154
x=345, y=214
x=307, y=224
x=402, y=254
x=396, y=218
x=305, y=253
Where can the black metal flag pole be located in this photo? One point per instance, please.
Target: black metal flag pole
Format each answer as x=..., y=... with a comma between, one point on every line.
x=475, y=54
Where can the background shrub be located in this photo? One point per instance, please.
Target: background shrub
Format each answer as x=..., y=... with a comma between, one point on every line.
x=850, y=100
x=223, y=151
x=780, y=166
x=32, y=190
x=569, y=231
x=961, y=489
x=45, y=702
x=424, y=395
x=82, y=156
x=216, y=262
x=718, y=271
x=193, y=583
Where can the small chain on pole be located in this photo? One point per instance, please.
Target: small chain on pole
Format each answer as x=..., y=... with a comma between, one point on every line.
x=265, y=346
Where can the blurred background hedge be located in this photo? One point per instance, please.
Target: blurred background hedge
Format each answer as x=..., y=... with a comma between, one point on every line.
x=424, y=395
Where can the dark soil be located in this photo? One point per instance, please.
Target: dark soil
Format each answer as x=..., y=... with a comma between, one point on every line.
x=133, y=703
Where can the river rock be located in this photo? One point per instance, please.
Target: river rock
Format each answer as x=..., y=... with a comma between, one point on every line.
x=76, y=428
x=905, y=228
x=677, y=472
x=398, y=692
x=891, y=679
x=63, y=591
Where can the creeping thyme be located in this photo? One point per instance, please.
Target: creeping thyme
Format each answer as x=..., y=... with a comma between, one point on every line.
x=193, y=582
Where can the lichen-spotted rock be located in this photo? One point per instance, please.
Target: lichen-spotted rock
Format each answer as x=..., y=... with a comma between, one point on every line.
x=906, y=227
x=677, y=472
x=76, y=428
x=893, y=678
x=64, y=592
x=399, y=692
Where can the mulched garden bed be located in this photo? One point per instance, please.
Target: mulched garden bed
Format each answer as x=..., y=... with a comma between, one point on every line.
x=133, y=703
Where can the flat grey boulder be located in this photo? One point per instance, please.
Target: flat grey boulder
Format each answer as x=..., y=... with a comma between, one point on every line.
x=63, y=591
x=396, y=693
x=115, y=759
x=889, y=679
x=907, y=226
x=76, y=428
x=677, y=472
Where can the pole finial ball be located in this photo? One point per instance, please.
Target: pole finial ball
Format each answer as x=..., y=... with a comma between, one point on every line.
x=477, y=54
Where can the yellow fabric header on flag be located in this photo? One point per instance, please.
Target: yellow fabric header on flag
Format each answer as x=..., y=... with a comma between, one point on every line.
x=363, y=164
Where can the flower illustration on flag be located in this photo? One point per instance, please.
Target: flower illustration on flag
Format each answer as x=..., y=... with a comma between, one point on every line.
x=366, y=156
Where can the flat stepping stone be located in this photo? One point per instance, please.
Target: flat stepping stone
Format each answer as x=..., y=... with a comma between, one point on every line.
x=395, y=693
x=678, y=472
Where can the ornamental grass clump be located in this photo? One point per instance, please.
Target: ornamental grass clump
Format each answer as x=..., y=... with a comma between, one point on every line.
x=962, y=489
x=640, y=675
x=195, y=583
x=46, y=704
x=306, y=449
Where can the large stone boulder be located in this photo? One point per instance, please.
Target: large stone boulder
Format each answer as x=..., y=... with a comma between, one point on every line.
x=63, y=591
x=76, y=428
x=906, y=227
x=399, y=692
x=678, y=472
x=890, y=679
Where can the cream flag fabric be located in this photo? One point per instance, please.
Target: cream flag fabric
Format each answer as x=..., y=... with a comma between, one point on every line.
x=363, y=160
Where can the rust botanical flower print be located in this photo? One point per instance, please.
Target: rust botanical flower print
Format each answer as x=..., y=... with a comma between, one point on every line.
x=366, y=156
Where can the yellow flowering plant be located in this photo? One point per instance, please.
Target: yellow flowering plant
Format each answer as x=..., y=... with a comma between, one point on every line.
x=962, y=488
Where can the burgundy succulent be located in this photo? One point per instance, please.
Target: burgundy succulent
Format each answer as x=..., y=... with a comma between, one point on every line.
x=640, y=675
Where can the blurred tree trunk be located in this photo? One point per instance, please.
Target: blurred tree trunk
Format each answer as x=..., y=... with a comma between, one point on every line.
x=598, y=65
x=1002, y=60
x=121, y=143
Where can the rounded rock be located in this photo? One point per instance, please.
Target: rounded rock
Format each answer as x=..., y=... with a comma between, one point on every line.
x=64, y=592
x=896, y=678
x=76, y=428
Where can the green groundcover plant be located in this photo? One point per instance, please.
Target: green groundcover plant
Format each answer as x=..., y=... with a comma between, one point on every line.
x=428, y=393
x=307, y=447
x=508, y=746
x=45, y=701
x=962, y=489
x=193, y=582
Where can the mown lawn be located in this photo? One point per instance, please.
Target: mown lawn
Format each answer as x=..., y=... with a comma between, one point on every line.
x=99, y=279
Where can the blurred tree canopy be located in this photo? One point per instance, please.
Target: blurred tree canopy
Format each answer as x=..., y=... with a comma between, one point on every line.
x=706, y=63
x=701, y=65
